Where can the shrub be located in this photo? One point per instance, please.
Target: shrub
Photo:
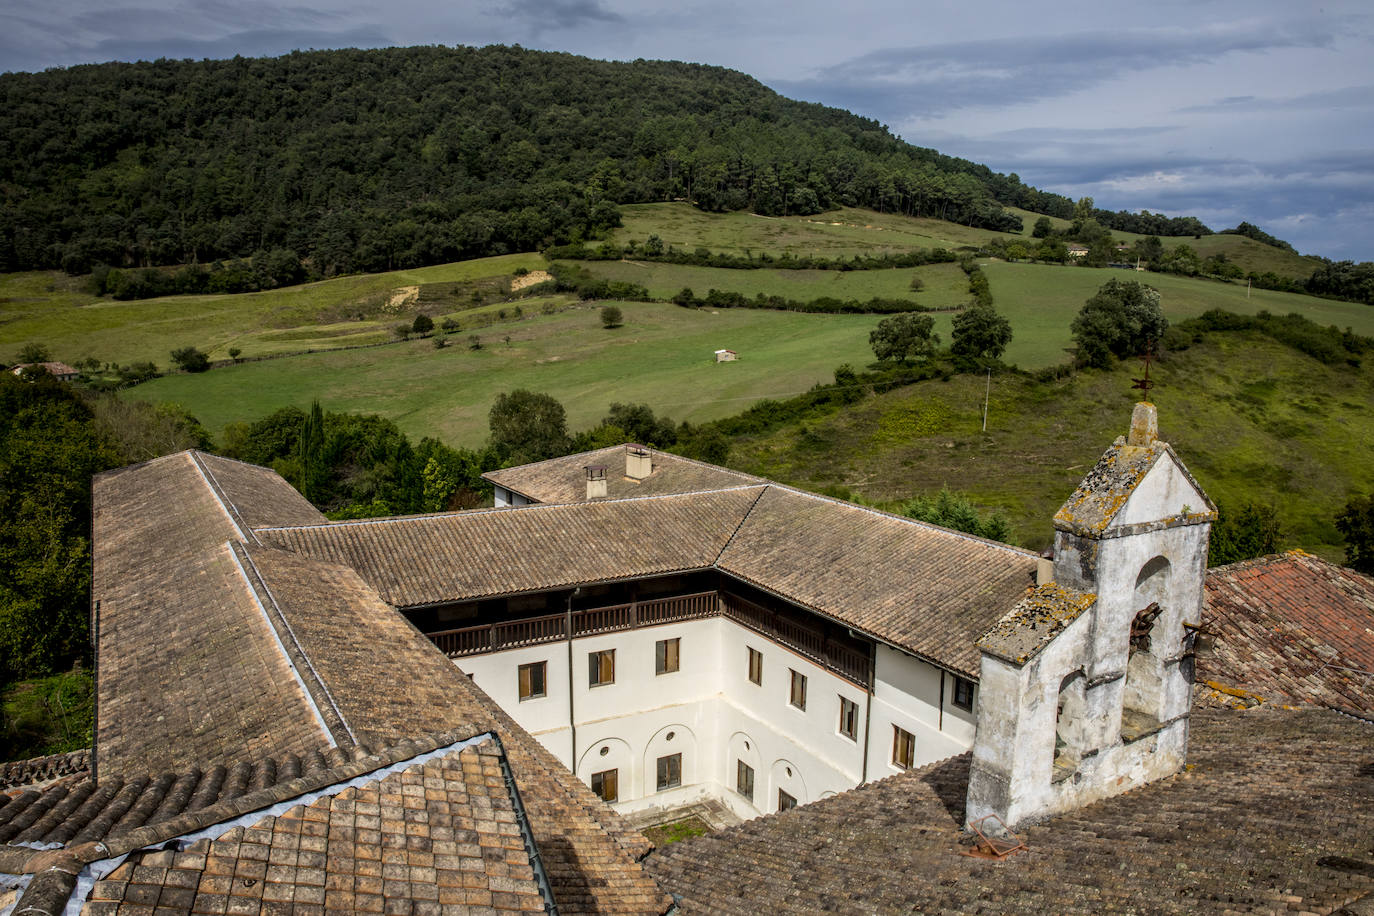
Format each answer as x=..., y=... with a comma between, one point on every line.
x=612, y=317
x=190, y=359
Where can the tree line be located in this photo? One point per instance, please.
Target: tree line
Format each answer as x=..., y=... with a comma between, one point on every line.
x=357, y=160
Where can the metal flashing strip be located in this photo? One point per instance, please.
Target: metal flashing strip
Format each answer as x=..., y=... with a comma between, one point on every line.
x=541, y=877
x=324, y=688
x=286, y=656
x=16, y=883
x=225, y=504
x=97, y=870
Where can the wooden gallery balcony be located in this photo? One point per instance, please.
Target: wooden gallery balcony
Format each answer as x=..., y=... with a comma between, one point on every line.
x=783, y=628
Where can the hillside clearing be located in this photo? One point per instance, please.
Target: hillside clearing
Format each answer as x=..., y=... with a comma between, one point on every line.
x=662, y=356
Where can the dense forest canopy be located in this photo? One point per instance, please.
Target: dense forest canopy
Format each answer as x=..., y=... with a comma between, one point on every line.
x=379, y=159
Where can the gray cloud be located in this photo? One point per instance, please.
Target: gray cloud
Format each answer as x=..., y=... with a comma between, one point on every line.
x=254, y=43
x=931, y=79
x=542, y=15
x=1347, y=98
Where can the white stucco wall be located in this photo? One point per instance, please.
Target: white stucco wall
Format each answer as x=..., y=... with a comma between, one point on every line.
x=712, y=710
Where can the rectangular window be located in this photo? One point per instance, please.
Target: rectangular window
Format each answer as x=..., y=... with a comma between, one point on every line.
x=665, y=656
x=798, y=695
x=606, y=784
x=963, y=693
x=785, y=801
x=755, y=666
x=532, y=680
x=903, y=747
x=849, y=719
x=669, y=772
x=601, y=667
x=744, y=779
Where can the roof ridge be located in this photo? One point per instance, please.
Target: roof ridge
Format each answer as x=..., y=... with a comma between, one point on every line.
x=288, y=655
x=503, y=510
x=62, y=869
x=743, y=518
x=208, y=475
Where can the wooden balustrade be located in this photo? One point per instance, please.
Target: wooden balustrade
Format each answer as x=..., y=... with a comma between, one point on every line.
x=535, y=630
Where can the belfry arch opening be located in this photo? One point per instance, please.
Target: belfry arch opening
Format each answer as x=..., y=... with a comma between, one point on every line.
x=1069, y=723
x=1142, y=697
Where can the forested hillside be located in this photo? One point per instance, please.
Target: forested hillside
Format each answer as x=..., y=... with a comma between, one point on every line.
x=373, y=160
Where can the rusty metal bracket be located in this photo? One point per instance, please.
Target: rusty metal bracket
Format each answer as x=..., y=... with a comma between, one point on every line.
x=995, y=841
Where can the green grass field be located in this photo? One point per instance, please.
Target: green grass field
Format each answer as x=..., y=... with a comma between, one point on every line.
x=1253, y=420
x=1041, y=300
x=835, y=233
x=661, y=356
x=946, y=286
x=51, y=308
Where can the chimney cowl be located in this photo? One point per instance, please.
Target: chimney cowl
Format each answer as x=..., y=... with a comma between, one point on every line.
x=596, y=481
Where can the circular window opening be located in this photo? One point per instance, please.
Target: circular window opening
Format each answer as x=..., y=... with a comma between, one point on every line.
x=670, y=736
x=605, y=750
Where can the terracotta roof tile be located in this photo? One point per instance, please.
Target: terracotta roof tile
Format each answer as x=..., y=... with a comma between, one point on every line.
x=918, y=586
x=432, y=559
x=1273, y=814
x=1292, y=628
x=190, y=672
x=562, y=480
x=439, y=834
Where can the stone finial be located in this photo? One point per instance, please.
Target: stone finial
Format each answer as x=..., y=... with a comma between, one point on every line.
x=1144, y=425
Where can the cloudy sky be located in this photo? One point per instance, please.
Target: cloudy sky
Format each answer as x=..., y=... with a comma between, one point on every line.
x=1230, y=110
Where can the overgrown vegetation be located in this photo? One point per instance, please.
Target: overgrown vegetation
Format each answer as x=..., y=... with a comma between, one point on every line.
x=47, y=715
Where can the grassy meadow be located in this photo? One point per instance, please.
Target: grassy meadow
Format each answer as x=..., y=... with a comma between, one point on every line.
x=1041, y=301
x=843, y=232
x=944, y=285
x=662, y=356
x=1252, y=419
x=50, y=307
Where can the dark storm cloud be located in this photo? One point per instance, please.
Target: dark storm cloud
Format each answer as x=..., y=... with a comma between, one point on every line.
x=927, y=80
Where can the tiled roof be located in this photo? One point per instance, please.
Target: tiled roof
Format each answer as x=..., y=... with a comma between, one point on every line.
x=1292, y=628
x=1103, y=492
x=562, y=480
x=927, y=589
x=189, y=671
x=224, y=649
x=440, y=833
x=1036, y=619
x=431, y=559
x=36, y=770
x=1273, y=814
x=78, y=811
x=255, y=495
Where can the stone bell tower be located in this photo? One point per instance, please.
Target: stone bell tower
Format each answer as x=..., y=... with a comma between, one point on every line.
x=1086, y=684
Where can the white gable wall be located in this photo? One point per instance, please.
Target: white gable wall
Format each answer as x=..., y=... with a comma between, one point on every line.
x=1165, y=492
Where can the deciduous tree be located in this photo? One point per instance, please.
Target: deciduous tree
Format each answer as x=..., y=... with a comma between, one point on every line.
x=980, y=332
x=528, y=426
x=904, y=336
x=1122, y=319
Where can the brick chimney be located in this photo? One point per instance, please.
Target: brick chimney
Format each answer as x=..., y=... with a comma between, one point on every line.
x=596, y=481
x=638, y=464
